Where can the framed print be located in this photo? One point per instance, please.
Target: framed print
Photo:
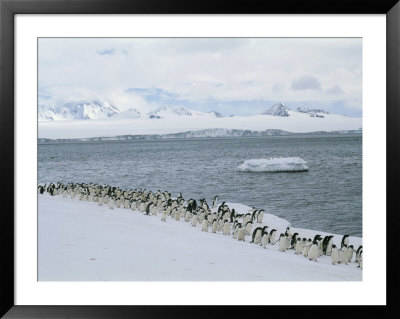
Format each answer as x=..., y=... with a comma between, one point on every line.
x=162, y=154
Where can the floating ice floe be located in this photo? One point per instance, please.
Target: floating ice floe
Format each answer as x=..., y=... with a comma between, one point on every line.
x=275, y=164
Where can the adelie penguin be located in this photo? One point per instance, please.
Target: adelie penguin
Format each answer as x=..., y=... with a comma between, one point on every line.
x=343, y=254
x=307, y=247
x=265, y=239
x=299, y=247
x=260, y=216
x=325, y=244
x=227, y=227
x=335, y=255
x=345, y=241
x=194, y=220
x=283, y=242
x=293, y=241
x=214, y=226
x=313, y=253
x=257, y=234
x=350, y=251
x=359, y=257
x=204, y=225
x=241, y=233
x=215, y=200
x=272, y=235
x=288, y=233
x=247, y=228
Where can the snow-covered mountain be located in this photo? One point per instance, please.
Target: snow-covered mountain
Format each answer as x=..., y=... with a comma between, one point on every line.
x=90, y=110
x=312, y=112
x=277, y=110
x=172, y=111
x=303, y=109
x=131, y=113
x=82, y=110
x=168, y=110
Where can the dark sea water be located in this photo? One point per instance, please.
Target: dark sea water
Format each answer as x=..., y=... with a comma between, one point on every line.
x=327, y=197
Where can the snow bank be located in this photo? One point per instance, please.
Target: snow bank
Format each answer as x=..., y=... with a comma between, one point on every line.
x=276, y=164
x=81, y=241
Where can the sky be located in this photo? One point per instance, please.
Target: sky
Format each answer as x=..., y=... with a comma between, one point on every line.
x=240, y=76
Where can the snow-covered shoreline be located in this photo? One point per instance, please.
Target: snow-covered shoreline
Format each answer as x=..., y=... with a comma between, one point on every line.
x=82, y=241
x=297, y=122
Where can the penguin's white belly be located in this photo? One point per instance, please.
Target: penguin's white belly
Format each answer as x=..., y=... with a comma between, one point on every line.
x=313, y=254
x=335, y=256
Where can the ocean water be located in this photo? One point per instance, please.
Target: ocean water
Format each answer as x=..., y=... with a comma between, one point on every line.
x=326, y=197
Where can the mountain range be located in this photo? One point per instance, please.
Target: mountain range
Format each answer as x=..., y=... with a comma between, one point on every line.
x=96, y=118
x=96, y=109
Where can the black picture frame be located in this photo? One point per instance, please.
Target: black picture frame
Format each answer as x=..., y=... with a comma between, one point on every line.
x=8, y=8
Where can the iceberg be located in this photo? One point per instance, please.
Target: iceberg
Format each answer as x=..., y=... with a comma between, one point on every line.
x=275, y=164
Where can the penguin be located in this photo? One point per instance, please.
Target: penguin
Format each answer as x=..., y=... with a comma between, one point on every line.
x=111, y=203
x=343, y=254
x=296, y=244
x=214, y=203
x=246, y=218
x=293, y=241
x=313, y=253
x=345, y=240
x=288, y=233
x=177, y=214
x=283, y=240
x=220, y=224
x=126, y=204
x=247, y=228
x=358, y=253
x=260, y=216
x=325, y=244
x=214, y=226
x=254, y=214
x=147, y=209
x=265, y=239
x=257, y=234
x=329, y=246
x=307, y=247
x=204, y=225
x=241, y=234
x=317, y=237
x=41, y=189
x=232, y=216
x=272, y=235
x=227, y=228
x=236, y=227
x=360, y=259
x=164, y=216
x=350, y=251
x=299, y=247
x=187, y=216
x=194, y=220
x=319, y=244
x=335, y=255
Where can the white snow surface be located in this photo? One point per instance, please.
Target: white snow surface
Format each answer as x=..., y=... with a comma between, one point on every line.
x=81, y=241
x=275, y=164
x=297, y=122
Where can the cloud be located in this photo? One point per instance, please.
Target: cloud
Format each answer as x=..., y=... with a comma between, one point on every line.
x=306, y=82
x=336, y=90
x=199, y=70
x=278, y=87
x=106, y=52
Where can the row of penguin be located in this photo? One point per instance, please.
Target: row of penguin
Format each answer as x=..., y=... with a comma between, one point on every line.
x=218, y=218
